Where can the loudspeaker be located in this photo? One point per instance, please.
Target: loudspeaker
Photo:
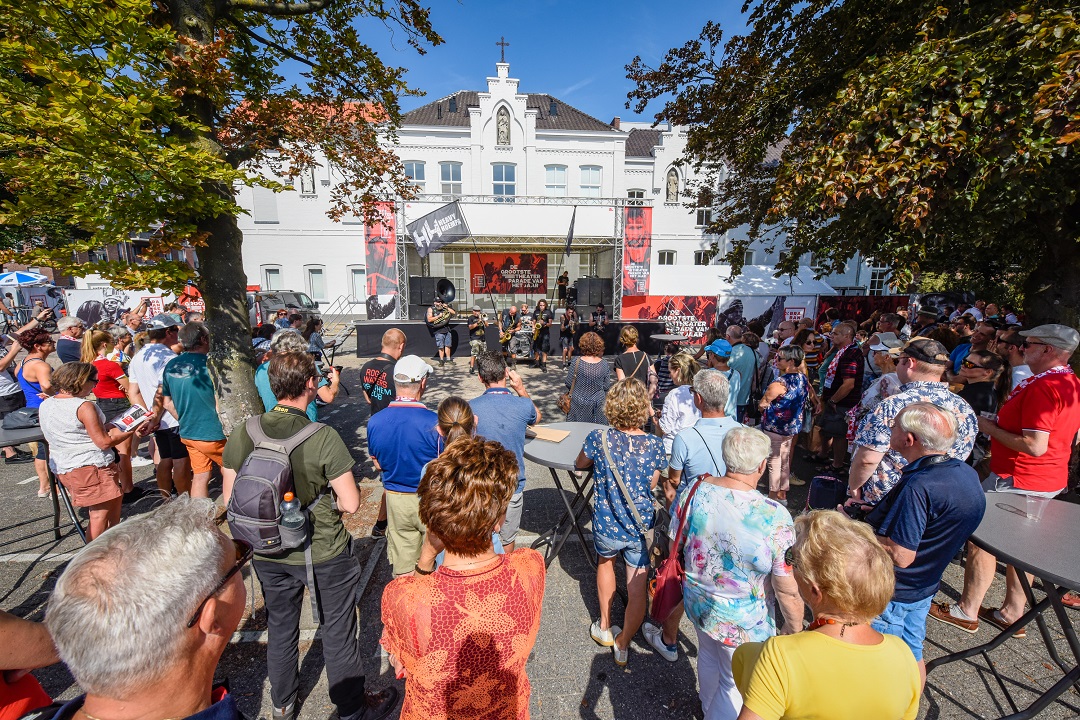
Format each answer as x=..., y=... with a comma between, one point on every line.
x=592, y=291
x=422, y=290
x=418, y=312
x=606, y=293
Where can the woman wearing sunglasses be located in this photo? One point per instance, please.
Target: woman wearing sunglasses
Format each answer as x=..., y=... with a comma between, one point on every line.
x=80, y=446
x=987, y=381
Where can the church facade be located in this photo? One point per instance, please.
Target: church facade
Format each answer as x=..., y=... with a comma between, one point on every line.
x=522, y=167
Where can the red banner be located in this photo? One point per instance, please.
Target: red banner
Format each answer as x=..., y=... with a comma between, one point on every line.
x=636, y=251
x=686, y=315
x=860, y=307
x=508, y=274
x=380, y=241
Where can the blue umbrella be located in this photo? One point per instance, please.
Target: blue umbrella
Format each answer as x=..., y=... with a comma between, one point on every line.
x=18, y=278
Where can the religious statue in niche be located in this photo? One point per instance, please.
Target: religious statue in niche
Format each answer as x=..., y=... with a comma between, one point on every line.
x=502, y=127
x=672, y=186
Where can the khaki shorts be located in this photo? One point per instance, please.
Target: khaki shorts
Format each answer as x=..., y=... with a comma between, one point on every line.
x=404, y=531
x=477, y=346
x=204, y=453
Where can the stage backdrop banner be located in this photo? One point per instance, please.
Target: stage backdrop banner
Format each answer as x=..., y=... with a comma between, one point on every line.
x=382, y=280
x=860, y=307
x=637, y=250
x=508, y=274
x=437, y=228
x=686, y=315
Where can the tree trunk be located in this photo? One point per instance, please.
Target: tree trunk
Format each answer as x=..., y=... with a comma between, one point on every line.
x=224, y=287
x=1052, y=290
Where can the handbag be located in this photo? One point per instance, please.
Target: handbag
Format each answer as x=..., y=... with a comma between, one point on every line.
x=667, y=587
x=646, y=533
x=22, y=419
x=564, y=400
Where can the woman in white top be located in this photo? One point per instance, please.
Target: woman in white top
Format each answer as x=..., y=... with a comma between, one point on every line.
x=679, y=410
x=80, y=446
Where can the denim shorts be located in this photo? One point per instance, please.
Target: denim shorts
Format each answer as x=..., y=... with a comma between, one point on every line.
x=906, y=621
x=634, y=552
x=443, y=338
x=996, y=483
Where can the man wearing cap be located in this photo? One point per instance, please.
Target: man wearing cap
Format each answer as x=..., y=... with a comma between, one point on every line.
x=875, y=468
x=477, y=336
x=402, y=439
x=1030, y=445
x=717, y=355
x=144, y=378
x=841, y=390
x=878, y=384
x=69, y=344
x=925, y=321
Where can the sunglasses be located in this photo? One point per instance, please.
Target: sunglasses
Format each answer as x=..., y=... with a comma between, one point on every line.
x=1030, y=343
x=970, y=365
x=244, y=553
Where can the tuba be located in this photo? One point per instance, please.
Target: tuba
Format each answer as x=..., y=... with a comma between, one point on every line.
x=445, y=293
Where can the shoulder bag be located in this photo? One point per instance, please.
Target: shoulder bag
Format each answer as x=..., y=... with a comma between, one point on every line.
x=667, y=587
x=564, y=400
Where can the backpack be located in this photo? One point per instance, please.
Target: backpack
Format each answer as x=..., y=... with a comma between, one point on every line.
x=254, y=510
x=826, y=492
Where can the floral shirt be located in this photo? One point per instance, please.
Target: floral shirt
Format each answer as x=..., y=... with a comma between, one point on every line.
x=784, y=415
x=874, y=431
x=734, y=541
x=637, y=457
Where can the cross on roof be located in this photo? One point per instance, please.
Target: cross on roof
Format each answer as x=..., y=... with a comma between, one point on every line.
x=502, y=48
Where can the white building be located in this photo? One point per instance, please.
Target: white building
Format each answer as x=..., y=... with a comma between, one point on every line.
x=518, y=163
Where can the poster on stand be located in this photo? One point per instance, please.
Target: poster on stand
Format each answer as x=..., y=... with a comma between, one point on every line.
x=382, y=280
x=508, y=273
x=637, y=249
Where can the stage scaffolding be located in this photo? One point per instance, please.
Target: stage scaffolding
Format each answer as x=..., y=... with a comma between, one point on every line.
x=521, y=243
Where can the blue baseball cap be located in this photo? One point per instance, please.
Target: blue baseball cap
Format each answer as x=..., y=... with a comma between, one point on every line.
x=719, y=348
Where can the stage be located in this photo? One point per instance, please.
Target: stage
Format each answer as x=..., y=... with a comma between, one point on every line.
x=421, y=340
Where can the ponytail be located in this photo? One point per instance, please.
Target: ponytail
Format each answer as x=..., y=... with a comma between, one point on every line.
x=91, y=341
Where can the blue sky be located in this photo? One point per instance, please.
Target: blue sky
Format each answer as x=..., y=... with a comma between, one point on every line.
x=574, y=50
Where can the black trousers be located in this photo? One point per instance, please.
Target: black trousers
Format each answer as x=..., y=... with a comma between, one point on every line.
x=283, y=590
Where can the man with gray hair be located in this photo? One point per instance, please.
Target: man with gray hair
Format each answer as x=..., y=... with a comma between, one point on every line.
x=142, y=615
x=289, y=340
x=69, y=344
x=925, y=519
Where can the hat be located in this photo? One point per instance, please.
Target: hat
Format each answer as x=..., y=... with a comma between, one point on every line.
x=162, y=322
x=1062, y=337
x=886, y=341
x=411, y=369
x=719, y=348
x=924, y=350
x=476, y=308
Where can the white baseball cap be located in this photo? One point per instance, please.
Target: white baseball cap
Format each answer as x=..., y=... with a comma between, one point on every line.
x=411, y=369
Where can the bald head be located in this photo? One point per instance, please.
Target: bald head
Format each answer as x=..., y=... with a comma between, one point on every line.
x=393, y=342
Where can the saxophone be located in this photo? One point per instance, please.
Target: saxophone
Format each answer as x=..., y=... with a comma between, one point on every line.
x=509, y=333
x=538, y=327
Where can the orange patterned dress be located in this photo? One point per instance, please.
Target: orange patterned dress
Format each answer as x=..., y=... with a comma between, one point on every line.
x=464, y=638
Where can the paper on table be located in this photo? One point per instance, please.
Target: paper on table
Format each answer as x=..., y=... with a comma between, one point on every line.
x=550, y=434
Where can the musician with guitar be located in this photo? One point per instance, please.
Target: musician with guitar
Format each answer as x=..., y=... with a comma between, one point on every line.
x=568, y=328
x=509, y=324
x=541, y=343
x=478, y=323
x=438, y=321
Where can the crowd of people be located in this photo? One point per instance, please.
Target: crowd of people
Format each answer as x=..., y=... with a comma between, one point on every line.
x=920, y=420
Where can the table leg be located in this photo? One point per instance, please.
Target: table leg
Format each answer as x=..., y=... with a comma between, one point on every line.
x=60, y=492
x=54, y=488
x=555, y=538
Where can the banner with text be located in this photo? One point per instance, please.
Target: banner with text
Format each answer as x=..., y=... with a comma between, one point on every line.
x=637, y=249
x=508, y=274
x=437, y=228
x=381, y=251
x=686, y=315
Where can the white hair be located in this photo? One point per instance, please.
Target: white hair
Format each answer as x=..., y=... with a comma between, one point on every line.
x=119, y=612
x=713, y=388
x=288, y=340
x=69, y=321
x=744, y=448
x=933, y=427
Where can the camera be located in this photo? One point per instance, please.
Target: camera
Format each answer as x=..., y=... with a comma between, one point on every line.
x=857, y=512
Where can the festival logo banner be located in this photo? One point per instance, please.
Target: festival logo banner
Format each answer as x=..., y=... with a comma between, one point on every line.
x=508, y=274
x=636, y=251
x=381, y=250
x=437, y=228
x=686, y=315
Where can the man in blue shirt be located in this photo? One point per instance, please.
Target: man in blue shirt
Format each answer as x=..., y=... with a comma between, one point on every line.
x=503, y=416
x=402, y=439
x=743, y=361
x=925, y=519
x=717, y=356
x=696, y=450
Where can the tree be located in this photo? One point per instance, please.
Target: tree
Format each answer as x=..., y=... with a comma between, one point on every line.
x=127, y=115
x=935, y=137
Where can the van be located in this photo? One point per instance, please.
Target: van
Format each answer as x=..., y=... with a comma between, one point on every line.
x=263, y=305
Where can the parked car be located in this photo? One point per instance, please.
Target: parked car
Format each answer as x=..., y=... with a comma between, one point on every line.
x=263, y=305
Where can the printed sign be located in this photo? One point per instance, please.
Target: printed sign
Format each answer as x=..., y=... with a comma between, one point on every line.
x=381, y=251
x=637, y=250
x=794, y=314
x=686, y=315
x=437, y=228
x=508, y=274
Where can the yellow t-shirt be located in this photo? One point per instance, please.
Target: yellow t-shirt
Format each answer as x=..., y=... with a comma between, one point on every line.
x=810, y=676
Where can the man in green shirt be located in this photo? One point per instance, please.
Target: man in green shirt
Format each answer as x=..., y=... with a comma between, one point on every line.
x=319, y=465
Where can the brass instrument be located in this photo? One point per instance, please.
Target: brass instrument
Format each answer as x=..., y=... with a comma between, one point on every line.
x=442, y=318
x=509, y=333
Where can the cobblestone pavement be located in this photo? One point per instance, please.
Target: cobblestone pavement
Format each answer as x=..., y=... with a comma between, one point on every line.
x=571, y=676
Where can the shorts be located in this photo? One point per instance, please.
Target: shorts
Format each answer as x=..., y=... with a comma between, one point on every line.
x=169, y=444
x=509, y=530
x=404, y=531
x=203, y=453
x=906, y=621
x=113, y=407
x=91, y=485
x=833, y=422
x=443, y=339
x=634, y=552
x=566, y=342
x=477, y=346
x=996, y=483
x=40, y=451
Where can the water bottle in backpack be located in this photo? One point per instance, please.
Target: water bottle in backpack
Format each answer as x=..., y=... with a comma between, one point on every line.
x=293, y=523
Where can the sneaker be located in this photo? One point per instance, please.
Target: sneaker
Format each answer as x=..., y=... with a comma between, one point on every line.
x=993, y=617
x=797, y=482
x=603, y=637
x=286, y=713
x=18, y=459
x=379, y=530
x=943, y=613
x=134, y=495
x=655, y=637
x=140, y=461
x=621, y=656
x=376, y=705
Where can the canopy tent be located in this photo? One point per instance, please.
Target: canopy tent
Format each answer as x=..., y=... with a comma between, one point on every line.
x=754, y=280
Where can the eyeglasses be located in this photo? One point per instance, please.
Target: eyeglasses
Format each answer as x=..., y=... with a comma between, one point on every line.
x=970, y=365
x=1029, y=343
x=244, y=552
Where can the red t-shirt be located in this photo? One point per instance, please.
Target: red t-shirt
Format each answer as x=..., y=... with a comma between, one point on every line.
x=1050, y=404
x=20, y=697
x=109, y=371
